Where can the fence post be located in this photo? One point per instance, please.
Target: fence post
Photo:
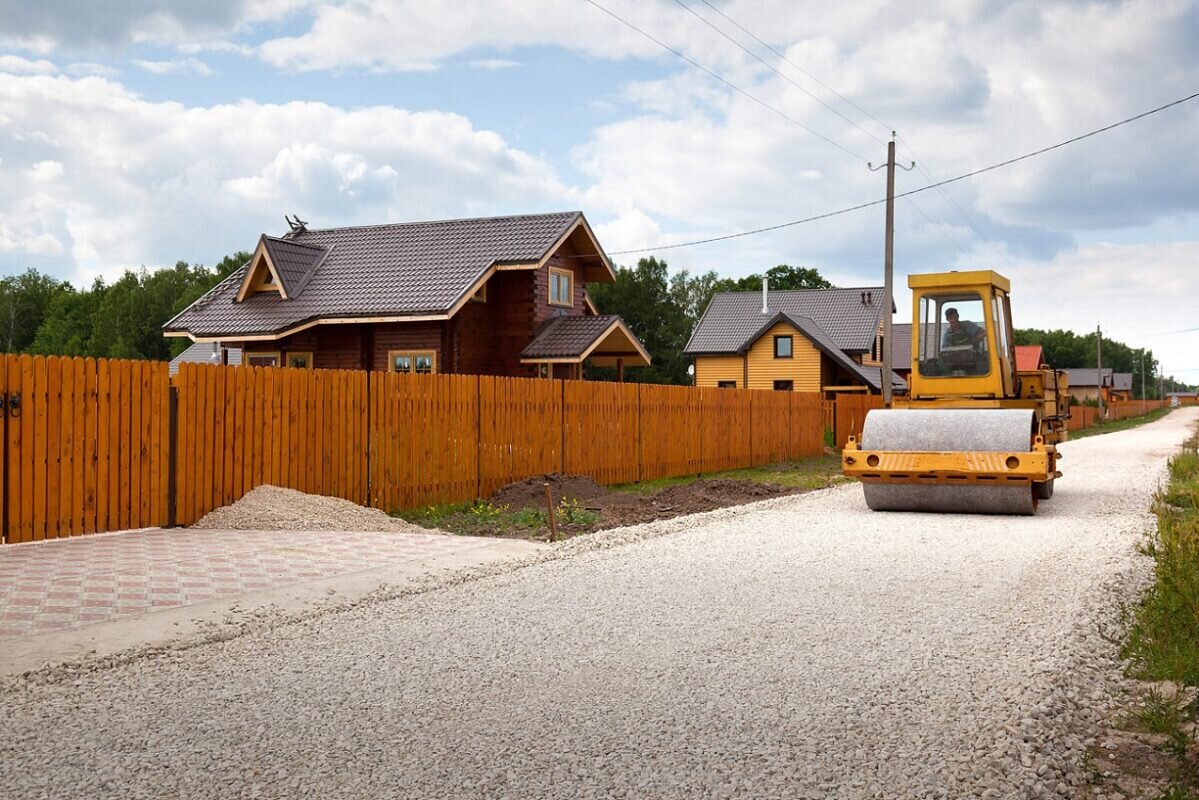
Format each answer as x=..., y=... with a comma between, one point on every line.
x=172, y=451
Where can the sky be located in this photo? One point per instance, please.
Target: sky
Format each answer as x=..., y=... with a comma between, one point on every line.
x=139, y=133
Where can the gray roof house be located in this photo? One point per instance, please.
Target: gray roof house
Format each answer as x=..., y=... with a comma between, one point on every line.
x=206, y=353
x=797, y=340
x=492, y=295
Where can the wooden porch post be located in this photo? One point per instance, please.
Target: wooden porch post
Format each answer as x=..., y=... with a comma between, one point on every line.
x=620, y=370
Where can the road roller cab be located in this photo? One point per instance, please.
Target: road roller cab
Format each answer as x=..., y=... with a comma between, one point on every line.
x=974, y=434
x=961, y=336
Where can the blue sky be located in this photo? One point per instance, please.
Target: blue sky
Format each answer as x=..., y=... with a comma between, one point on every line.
x=139, y=133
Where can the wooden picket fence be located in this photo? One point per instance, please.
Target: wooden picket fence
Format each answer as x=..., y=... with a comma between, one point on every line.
x=1082, y=417
x=94, y=445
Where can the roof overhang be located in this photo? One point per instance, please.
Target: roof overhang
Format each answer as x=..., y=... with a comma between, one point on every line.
x=254, y=275
x=615, y=343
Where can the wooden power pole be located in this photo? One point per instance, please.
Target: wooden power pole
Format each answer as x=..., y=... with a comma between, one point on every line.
x=888, y=270
x=1099, y=366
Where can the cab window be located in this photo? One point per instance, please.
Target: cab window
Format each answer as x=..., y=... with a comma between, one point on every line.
x=953, y=336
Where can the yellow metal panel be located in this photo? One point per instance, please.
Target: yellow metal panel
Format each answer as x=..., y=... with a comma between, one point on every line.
x=710, y=370
x=959, y=280
x=803, y=368
x=947, y=467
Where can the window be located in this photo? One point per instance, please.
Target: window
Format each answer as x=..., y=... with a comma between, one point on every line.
x=953, y=340
x=784, y=386
x=562, y=287
x=782, y=347
x=298, y=360
x=419, y=362
x=262, y=359
x=726, y=384
x=480, y=296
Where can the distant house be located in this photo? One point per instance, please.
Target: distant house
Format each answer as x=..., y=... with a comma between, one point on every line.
x=1029, y=357
x=489, y=296
x=1182, y=398
x=1121, y=386
x=809, y=340
x=207, y=353
x=1089, y=384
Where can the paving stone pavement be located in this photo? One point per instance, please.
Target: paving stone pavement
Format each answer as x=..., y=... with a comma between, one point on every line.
x=69, y=583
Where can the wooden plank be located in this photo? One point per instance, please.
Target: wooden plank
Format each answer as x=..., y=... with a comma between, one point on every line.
x=38, y=407
x=24, y=530
x=66, y=448
x=124, y=442
x=78, y=465
x=237, y=432
x=186, y=469
x=104, y=488
x=146, y=447
x=52, y=410
x=90, y=456
x=153, y=458
x=132, y=443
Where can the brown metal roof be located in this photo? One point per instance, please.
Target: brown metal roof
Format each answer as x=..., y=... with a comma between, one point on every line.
x=849, y=317
x=295, y=262
x=574, y=336
x=407, y=269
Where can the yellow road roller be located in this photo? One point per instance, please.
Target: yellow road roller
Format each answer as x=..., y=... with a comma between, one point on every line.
x=974, y=433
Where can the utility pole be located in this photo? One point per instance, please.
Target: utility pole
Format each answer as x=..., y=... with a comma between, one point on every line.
x=1099, y=366
x=888, y=268
x=1143, y=374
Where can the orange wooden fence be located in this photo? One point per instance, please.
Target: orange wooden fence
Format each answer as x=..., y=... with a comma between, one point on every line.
x=239, y=427
x=88, y=446
x=85, y=446
x=851, y=413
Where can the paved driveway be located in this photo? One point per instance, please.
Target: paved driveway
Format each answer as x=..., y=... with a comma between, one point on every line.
x=66, y=585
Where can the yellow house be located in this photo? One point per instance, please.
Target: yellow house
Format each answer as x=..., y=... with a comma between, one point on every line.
x=812, y=340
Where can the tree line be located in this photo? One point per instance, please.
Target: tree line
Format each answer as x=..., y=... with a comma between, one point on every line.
x=42, y=315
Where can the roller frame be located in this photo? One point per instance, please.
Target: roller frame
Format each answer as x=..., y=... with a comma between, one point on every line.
x=949, y=467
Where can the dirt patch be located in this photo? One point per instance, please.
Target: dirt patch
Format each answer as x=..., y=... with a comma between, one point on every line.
x=530, y=493
x=519, y=509
x=272, y=508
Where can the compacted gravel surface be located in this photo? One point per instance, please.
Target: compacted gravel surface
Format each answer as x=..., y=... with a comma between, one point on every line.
x=800, y=647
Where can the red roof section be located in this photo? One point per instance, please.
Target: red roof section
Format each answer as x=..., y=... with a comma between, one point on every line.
x=1029, y=356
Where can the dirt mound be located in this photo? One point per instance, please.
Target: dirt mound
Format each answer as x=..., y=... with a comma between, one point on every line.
x=530, y=493
x=272, y=508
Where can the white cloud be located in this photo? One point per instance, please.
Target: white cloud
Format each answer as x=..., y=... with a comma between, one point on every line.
x=118, y=181
x=85, y=68
x=492, y=64
x=24, y=66
x=193, y=66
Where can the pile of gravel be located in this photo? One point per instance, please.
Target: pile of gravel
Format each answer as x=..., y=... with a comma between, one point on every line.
x=273, y=508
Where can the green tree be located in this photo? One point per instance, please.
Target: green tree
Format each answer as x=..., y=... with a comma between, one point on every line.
x=25, y=300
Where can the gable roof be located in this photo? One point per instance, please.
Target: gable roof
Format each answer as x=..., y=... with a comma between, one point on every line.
x=1122, y=381
x=1029, y=357
x=576, y=337
x=1087, y=377
x=848, y=317
x=400, y=271
x=871, y=376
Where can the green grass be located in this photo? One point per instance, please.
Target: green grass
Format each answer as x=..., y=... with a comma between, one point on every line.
x=1163, y=638
x=468, y=518
x=806, y=473
x=1121, y=425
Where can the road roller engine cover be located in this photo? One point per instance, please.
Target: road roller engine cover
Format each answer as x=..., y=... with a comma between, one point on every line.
x=974, y=434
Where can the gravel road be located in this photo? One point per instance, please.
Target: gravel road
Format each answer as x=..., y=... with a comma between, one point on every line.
x=800, y=647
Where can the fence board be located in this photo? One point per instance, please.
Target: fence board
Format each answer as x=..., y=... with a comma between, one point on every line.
x=600, y=431
x=851, y=413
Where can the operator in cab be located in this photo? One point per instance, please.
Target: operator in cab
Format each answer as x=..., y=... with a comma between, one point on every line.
x=960, y=332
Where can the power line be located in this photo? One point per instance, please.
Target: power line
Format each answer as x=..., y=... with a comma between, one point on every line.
x=773, y=69
x=797, y=66
x=726, y=82
x=928, y=176
x=911, y=192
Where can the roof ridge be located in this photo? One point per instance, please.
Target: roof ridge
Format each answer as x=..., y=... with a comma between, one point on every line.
x=437, y=222
x=285, y=240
